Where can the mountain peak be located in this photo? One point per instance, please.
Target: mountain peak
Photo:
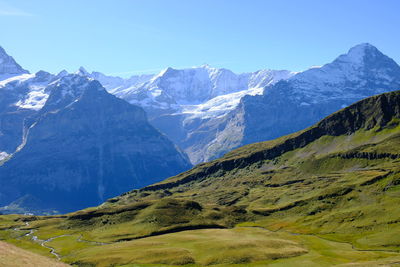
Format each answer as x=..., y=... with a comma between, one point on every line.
x=82, y=71
x=68, y=89
x=363, y=46
x=164, y=72
x=360, y=54
x=62, y=74
x=205, y=66
x=75, y=84
x=362, y=61
x=357, y=53
x=8, y=65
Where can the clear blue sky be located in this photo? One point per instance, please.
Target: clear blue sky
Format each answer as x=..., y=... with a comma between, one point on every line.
x=143, y=36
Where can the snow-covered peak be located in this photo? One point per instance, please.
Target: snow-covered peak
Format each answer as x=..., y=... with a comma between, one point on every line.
x=34, y=91
x=361, y=72
x=72, y=84
x=264, y=78
x=199, y=84
x=357, y=54
x=8, y=66
x=348, y=67
x=69, y=89
x=177, y=90
x=164, y=72
x=115, y=84
x=216, y=91
x=29, y=90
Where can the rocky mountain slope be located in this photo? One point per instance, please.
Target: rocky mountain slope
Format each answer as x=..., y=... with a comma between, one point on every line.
x=189, y=99
x=8, y=66
x=302, y=100
x=19, y=92
x=21, y=96
x=326, y=195
x=212, y=111
x=76, y=145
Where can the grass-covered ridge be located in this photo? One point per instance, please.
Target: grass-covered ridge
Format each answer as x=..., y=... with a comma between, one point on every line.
x=327, y=195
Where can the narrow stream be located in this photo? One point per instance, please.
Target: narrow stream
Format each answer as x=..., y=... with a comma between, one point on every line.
x=43, y=243
x=40, y=241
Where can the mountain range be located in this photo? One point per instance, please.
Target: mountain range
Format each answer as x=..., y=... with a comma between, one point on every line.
x=193, y=100
x=64, y=134
x=68, y=144
x=326, y=195
x=208, y=112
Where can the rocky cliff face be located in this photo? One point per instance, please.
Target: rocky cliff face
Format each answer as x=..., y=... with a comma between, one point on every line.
x=21, y=97
x=8, y=66
x=85, y=146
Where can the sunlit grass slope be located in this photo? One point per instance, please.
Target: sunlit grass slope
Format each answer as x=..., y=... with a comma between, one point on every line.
x=11, y=255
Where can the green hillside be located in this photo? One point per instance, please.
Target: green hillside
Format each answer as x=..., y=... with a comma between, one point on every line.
x=327, y=195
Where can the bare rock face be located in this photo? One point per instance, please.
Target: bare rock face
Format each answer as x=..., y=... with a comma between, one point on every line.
x=85, y=146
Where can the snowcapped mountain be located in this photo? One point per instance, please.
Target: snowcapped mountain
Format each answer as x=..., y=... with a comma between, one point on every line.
x=189, y=99
x=21, y=96
x=190, y=96
x=207, y=111
x=362, y=72
x=67, y=142
x=84, y=146
x=229, y=88
x=180, y=90
x=304, y=99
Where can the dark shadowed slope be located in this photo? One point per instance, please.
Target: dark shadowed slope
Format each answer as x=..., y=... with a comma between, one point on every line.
x=85, y=146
